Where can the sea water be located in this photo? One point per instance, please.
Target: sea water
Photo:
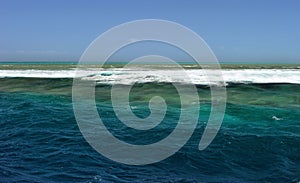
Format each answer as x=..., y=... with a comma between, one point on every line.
x=258, y=141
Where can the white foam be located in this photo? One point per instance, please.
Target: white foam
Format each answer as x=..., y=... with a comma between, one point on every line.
x=276, y=118
x=37, y=73
x=195, y=76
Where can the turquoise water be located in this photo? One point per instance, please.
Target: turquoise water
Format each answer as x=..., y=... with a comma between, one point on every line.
x=40, y=141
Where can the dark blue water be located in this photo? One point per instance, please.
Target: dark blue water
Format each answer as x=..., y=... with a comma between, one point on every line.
x=40, y=142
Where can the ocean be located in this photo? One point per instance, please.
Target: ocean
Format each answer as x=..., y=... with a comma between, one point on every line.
x=259, y=140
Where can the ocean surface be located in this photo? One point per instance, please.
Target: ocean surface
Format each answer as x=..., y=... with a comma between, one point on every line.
x=259, y=140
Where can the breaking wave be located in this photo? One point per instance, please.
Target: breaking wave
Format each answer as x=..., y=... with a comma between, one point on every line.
x=130, y=76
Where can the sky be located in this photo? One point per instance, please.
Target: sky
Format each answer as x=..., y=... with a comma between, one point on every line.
x=253, y=31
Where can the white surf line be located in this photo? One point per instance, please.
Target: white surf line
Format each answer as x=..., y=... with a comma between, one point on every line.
x=130, y=76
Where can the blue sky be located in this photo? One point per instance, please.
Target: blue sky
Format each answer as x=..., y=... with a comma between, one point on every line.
x=237, y=31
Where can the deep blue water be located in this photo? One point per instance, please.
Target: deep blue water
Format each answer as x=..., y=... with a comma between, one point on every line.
x=41, y=142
